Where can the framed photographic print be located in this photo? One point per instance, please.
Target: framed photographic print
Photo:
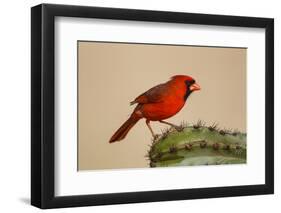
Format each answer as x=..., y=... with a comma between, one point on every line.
x=138, y=106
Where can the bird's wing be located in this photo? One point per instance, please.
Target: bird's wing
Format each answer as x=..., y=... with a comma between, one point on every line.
x=153, y=95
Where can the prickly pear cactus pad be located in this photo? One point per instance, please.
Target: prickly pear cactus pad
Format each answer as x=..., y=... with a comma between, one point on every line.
x=198, y=144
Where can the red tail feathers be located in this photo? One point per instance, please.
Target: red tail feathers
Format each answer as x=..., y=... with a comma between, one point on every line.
x=121, y=133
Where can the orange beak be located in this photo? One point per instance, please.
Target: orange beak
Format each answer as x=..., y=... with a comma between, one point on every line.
x=195, y=87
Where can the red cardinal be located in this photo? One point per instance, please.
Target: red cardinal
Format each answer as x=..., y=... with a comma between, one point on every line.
x=159, y=103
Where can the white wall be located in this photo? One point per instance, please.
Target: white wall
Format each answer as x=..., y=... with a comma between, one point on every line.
x=15, y=105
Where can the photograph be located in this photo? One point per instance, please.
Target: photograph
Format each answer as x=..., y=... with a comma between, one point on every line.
x=140, y=105
x=157, y=105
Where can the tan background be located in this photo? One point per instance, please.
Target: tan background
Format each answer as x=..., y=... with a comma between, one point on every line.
x=110, y=75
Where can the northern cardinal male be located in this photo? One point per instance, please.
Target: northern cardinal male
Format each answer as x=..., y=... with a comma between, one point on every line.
x=159, y=103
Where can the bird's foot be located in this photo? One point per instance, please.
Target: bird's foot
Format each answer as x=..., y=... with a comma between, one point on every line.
x=155, y=138
x=178, y=128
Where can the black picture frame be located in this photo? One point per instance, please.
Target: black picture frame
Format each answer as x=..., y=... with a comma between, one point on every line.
x=43, y=100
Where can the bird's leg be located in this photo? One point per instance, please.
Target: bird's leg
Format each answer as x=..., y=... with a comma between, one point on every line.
x=149, y=127
x=178, y=128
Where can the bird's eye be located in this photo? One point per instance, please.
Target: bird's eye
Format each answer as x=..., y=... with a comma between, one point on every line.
x=189, y=83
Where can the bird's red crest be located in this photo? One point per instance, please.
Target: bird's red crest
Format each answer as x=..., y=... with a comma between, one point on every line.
x=182, y=77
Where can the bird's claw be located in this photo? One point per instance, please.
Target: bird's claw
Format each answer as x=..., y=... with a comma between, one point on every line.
x=155, y=137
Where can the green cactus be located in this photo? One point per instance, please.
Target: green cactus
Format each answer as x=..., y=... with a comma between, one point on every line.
x=198, y=145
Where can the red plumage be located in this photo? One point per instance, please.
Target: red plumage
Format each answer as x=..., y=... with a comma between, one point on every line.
x=159, y=103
